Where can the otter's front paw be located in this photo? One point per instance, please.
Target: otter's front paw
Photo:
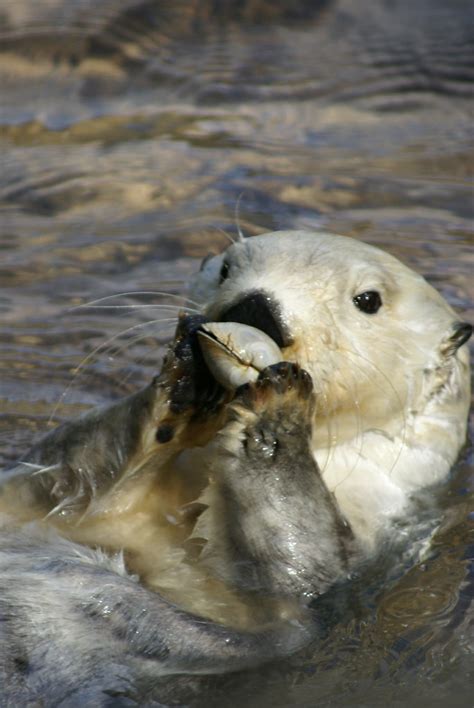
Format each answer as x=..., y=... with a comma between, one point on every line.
x=184, y=374
x=272, y=418
x=187, y=397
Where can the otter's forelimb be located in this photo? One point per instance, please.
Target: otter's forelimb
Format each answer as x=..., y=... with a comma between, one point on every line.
x=83, y=460
x=279, y=529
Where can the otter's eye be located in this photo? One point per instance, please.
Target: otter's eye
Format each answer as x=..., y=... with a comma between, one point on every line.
x=224, y=272
x=369, y=302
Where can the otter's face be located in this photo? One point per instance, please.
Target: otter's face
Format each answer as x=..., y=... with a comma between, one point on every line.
x=378, y=341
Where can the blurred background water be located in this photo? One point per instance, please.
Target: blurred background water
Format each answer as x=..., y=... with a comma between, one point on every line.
x=131, y=133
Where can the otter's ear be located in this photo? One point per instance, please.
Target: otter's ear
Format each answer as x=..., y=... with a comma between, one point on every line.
x=460, y=333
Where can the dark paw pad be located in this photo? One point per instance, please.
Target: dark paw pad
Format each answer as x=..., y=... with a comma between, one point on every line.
x=280, y=380
x=284, y=377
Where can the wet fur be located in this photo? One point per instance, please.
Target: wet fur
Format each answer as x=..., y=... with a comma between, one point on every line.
x=268, y=496
x=241, y=529
x=77, y=628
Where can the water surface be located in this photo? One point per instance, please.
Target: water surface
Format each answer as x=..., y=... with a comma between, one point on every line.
x=132, y=135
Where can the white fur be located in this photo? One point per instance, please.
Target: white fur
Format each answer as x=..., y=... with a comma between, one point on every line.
x=392, y=404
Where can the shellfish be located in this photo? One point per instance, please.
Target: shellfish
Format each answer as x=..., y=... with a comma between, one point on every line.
x=236, y=353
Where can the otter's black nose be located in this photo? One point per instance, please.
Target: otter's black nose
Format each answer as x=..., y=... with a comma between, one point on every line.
x=258, y=309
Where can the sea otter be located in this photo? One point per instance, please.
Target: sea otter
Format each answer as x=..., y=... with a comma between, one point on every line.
x=265, y=496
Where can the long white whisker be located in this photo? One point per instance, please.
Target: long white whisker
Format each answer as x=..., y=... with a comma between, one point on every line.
x=136, y=362
x=237, y=220
x=399, y=400
x=358, y=415
x=134, y=293
x=130, y=343
x=31, y=468
x=327, y=418
x=43, y=470
x=31, y=465
x=228, y=236
x=143, y=307
x=359, y=437
x=104, y=345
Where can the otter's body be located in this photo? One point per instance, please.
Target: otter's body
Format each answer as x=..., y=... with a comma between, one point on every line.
x=221, y=514
x=78, y=629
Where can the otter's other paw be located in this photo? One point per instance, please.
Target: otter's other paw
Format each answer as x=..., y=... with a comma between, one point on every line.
x=279, y=524
x=192, y=395
x=183, y=366
x=273, y=416
x=184, y=374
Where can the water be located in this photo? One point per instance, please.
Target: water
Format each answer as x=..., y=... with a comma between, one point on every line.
x=133, y=135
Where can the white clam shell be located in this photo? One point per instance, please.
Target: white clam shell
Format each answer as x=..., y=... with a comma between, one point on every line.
x=236, y=353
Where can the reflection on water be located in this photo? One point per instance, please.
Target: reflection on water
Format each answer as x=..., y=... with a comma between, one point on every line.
x=130, y=131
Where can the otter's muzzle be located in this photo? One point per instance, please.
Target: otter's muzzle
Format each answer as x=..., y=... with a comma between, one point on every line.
x=259, y=309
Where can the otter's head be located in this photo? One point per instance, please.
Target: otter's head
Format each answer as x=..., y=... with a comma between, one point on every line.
x=381, y=345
